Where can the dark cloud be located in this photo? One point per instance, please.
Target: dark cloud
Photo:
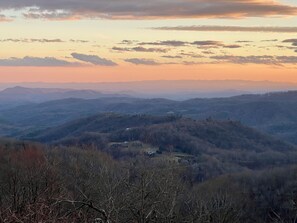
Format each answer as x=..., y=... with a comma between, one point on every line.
x=172, y=57
x=36, y=62
x=140, y=49
x=32, y=40
x=153, y=9
x=121, y=49
x=200, y=44
x=138, y=61
x=232, y=46
x=263, y=59
x=244, y=41
x=292, y=41
x=272, y=29
x=207, y=52
x=93, y=59
x=214, y=44
x=208, y=43
x=190, y=63
x=46, y=40
x=281, y=47
x=269, y=40
x=191, y=54
x=287, y=59
x=173, y=43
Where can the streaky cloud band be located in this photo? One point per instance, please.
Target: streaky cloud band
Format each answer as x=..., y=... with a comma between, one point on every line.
x=267, y=29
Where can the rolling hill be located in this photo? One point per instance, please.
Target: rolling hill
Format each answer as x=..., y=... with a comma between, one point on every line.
x=220, y=134
x=222, y=146
x=14, y=96
x=273, y=113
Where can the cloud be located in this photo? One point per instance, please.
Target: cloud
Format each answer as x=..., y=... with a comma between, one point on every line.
x=232, y=46
x=153, y=9
x=50, y=15
x=268, y=29
x=44, y=40
x=214, y=44
x=292, y=41
x=208, y=43
x=32, y=40
x=128, y=42
x=208, y=52
x=287, y=59
x=172, y=57
x=269, y=40
x=3, y=18
x=244, y=41
x=190, y=63
x=93, y=59
x=138, y=61
x=36, y=62
x=173, y=43
x=201, y=44
x=78, y=41
x=121, y=49
x=263, y=59
x=13, y=40
x=140, y=49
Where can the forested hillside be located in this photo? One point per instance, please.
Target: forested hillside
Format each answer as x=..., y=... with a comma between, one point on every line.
x=150, y=162
x=272, y=113
x=208, y=146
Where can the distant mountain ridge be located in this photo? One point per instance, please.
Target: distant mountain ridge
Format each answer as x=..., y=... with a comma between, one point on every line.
x=22, y=95
x=170, y=89
x=273, y=113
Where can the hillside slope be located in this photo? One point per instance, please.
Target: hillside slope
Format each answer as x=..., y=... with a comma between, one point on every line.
x=15, y=96
x=272, y=113
x=213, y=147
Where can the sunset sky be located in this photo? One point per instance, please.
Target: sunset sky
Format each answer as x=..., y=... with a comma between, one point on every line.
x=130, y=40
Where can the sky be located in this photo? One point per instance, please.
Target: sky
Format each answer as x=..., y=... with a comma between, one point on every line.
x=135, y=40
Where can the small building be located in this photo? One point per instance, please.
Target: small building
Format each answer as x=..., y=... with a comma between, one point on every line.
x=151, y=153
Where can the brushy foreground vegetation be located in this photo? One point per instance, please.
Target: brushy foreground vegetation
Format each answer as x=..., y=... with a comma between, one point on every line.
x=51, y=184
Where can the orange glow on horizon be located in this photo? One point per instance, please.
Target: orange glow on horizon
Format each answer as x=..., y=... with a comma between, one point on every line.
x=128, y=73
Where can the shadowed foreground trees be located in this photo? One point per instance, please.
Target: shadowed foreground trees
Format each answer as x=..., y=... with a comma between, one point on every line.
x=74, y=185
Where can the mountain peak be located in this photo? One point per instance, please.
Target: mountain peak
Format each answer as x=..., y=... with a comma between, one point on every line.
x=18, y=90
